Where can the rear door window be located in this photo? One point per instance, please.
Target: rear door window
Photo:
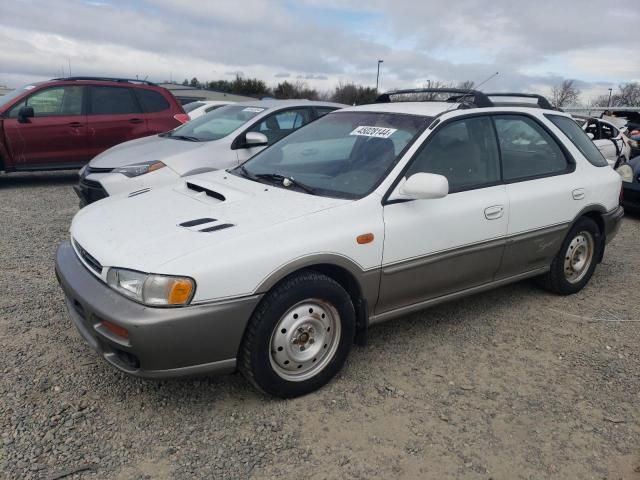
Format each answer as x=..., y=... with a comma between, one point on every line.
x=112, y=101
x=151, y=101
x=579, y=139
x=527, y=150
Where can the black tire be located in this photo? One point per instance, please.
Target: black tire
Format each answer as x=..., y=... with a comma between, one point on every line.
x=255, y=357
x=556, y=279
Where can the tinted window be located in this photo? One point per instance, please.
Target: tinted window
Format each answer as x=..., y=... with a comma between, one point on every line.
x=151, y=101
x=607, y=131
x=281, y=124
x=51, y=102
x=190, y=107
x=324, y=110
x=527, y=149
x=579, y=139
x=212, y=108
x=464, y=151
x=112, y=101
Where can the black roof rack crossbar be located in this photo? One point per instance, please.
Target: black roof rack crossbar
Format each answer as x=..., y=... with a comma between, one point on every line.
x=110, y=79
x=542, y=101
x=458, y=95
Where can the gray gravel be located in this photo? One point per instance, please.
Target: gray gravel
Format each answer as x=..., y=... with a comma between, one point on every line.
x=514, y=383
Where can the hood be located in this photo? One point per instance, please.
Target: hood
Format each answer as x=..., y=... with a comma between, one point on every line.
x=147, y=149
x=209, y=211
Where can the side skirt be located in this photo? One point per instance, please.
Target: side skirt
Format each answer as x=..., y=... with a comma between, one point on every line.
x=398, y=312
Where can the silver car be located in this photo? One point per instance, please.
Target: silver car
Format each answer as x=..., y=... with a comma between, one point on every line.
x=221, y=139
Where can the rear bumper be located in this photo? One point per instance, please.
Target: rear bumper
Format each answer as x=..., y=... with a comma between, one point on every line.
x=162, y=342
x=612, y=221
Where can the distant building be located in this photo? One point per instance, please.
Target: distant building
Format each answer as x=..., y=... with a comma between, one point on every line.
x=186, y=94
x=4, y=90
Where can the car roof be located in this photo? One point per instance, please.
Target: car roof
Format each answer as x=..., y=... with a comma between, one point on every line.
x=432, y=109
x=289, y=103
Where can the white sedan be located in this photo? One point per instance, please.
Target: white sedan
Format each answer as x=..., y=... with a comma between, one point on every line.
x=370, y=213
x=202, y=107
x=221, y=139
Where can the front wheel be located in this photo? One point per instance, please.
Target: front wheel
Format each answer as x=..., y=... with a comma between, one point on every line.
x=299, y=336
x=576, y=261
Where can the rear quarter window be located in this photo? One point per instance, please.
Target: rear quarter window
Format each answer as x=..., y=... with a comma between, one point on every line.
x=580, y=139
x=151, y=101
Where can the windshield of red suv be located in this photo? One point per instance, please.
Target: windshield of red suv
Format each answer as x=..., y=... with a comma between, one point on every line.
x=7, y=100
x=215, y=125
x=343, y=154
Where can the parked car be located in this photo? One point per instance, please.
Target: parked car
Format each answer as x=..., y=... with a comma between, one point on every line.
x=202, y=107
x=610, y=139
x=630, y=173
x=64, y=122
x=221, y=139
x=369, y=213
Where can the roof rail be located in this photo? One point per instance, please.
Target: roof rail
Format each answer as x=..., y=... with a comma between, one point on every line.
x=468, y=98
x=110, y=79
x=541, y=103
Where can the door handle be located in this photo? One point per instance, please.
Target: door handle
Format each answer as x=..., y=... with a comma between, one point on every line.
x=75, y=124
x=578, y=194
x=136, y=120
x=494, y=212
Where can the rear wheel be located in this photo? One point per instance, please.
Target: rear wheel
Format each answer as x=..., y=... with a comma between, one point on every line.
x=576, y=261
x=299, y=336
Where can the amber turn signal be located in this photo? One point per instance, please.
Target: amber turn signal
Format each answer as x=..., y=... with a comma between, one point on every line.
x=364, y=238
x=180, y=292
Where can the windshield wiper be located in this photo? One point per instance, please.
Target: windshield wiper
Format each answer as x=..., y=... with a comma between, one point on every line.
x=287, y=181
x=180, y=137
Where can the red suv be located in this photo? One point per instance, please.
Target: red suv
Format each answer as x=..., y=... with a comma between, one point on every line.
x=65, y=122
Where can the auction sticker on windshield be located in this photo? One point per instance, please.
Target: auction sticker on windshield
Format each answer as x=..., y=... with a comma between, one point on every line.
x=378, y=132
x=253, y=109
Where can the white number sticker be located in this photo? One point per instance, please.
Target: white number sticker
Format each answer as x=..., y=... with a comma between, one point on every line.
x=378, y=132
x=253, y=109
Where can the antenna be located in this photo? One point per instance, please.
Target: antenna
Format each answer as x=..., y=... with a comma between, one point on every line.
x=470, y=90
x=69, y=60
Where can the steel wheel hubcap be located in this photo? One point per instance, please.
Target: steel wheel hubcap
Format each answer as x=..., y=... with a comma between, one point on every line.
x=578, y=257
x=305, y=340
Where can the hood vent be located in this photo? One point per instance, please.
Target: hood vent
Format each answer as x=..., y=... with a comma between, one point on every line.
x=209, y=193
x=216, y=227
x=140, y=192
x=198, y=221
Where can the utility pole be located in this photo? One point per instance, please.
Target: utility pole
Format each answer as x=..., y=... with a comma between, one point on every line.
x=609, y=102
x=378, y=76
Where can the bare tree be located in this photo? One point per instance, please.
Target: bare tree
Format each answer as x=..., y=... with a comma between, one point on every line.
x=466, y=85
x=565, y=94
x=628, y=95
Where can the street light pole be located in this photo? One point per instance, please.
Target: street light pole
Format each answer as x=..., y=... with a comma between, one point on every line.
x=378, y=76
x=609, y=102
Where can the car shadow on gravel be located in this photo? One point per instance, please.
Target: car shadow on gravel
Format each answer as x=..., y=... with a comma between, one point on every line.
x=38, y=179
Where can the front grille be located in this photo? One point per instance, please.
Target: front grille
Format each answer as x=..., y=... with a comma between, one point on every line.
x=89, y=260
x=92, y=190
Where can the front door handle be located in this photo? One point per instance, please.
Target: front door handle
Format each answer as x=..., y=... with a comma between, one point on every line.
x=75, y=124
x=578, y=194
x=494, y=212
x=136, y=120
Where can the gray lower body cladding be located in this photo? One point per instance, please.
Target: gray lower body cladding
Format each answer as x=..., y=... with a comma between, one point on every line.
x=162, y=342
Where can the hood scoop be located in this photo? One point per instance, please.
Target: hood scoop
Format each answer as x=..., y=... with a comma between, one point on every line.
x=198, y=225
x=208, y=192
x=139, y=192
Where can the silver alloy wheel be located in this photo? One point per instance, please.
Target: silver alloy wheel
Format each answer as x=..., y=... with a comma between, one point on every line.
x=305, y=340
x=578, y=257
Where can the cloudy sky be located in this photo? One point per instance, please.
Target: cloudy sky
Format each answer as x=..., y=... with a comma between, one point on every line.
x=533, y=44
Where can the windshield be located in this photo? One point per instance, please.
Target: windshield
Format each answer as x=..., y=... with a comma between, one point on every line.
x=215, y=125
x=343, y=154
x=5, y=100
x=189, y=107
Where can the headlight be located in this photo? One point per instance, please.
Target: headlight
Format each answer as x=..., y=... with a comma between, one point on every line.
x=139, y=168
x=626, y=172
x=151, y=289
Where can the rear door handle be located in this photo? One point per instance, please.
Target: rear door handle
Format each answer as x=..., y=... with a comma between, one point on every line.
x=578, y=194
x=136, y=120
x=494, y=212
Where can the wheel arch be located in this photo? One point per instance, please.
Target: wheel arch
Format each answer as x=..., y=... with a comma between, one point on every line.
x=595, y=213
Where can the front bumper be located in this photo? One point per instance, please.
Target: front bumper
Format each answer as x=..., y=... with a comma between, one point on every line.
x=89, y=191
x=631, y=195
x=612, y=222
x=162, y=342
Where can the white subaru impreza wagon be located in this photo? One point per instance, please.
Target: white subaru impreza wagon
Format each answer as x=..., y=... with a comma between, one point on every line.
x=278, y=266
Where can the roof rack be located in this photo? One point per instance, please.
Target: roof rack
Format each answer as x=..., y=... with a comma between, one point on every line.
x=541, y=103
x=468, y=98
x=110, y=79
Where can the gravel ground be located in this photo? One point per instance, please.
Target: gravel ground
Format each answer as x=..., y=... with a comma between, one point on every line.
x=511, y=384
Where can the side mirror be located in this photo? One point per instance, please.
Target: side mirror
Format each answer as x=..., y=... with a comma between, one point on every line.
x=255, y=139
x=25, y=113
x=590, y=135
x=420, y=186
